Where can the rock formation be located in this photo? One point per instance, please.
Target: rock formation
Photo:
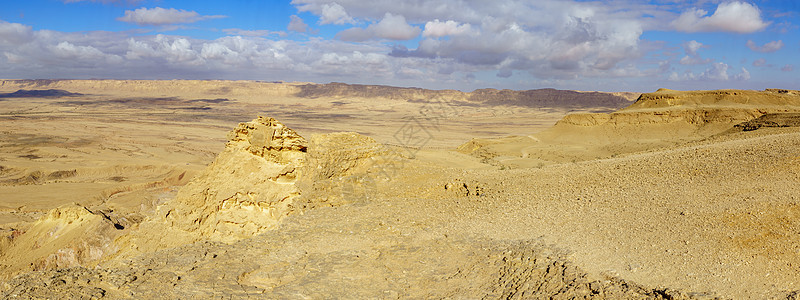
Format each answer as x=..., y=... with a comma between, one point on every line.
x=266, y=172
x=248, y=187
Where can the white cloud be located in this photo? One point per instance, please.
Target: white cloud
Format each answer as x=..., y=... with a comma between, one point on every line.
x=546, y=38
x=744, y=75
x=14, y=33
x=161, y=16
x=296, y=24
x=787, y=68
x=759, y=62
x=692, y=57
x=768, y=47
x=438, y=28
x=392, y=27
x=739, y=17
x=68, y=50
x=691, y=47
x=173, y=51
x=333, y=13
x=716, y=72
x=694, y=60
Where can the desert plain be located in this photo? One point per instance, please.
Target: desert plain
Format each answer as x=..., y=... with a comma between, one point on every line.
x=130, y=189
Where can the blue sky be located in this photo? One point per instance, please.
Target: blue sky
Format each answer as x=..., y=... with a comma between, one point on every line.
x=617, y=45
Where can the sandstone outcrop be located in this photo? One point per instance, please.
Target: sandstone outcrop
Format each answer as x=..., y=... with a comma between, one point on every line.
x=248, y=187
x=266, y=172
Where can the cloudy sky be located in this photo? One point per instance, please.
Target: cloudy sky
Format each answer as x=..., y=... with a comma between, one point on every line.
x=615, y=45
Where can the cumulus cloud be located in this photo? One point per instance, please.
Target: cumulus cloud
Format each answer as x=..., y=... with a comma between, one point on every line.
x=768, y=47
x=576, y=45
x=438, y=28
x=716, y=72
x=692, y=57
x=161, y=16
x=787, y=68
x=333, y=13
x=691, y=47
x=14, y=33
x=544, y=38
x=87, y=54
x=759, y=62
x=739, y=17
x=297, y=24
x=744, y=75
x=392, y=27
x=171, y=50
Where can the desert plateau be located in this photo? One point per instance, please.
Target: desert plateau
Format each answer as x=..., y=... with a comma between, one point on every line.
x=204, y=189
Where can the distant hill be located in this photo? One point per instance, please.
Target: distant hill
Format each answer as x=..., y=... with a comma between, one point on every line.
x=51, y=93
x=528, y=98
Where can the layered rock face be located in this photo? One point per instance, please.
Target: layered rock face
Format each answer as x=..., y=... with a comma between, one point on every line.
x=268, y=138
x=694, y=107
